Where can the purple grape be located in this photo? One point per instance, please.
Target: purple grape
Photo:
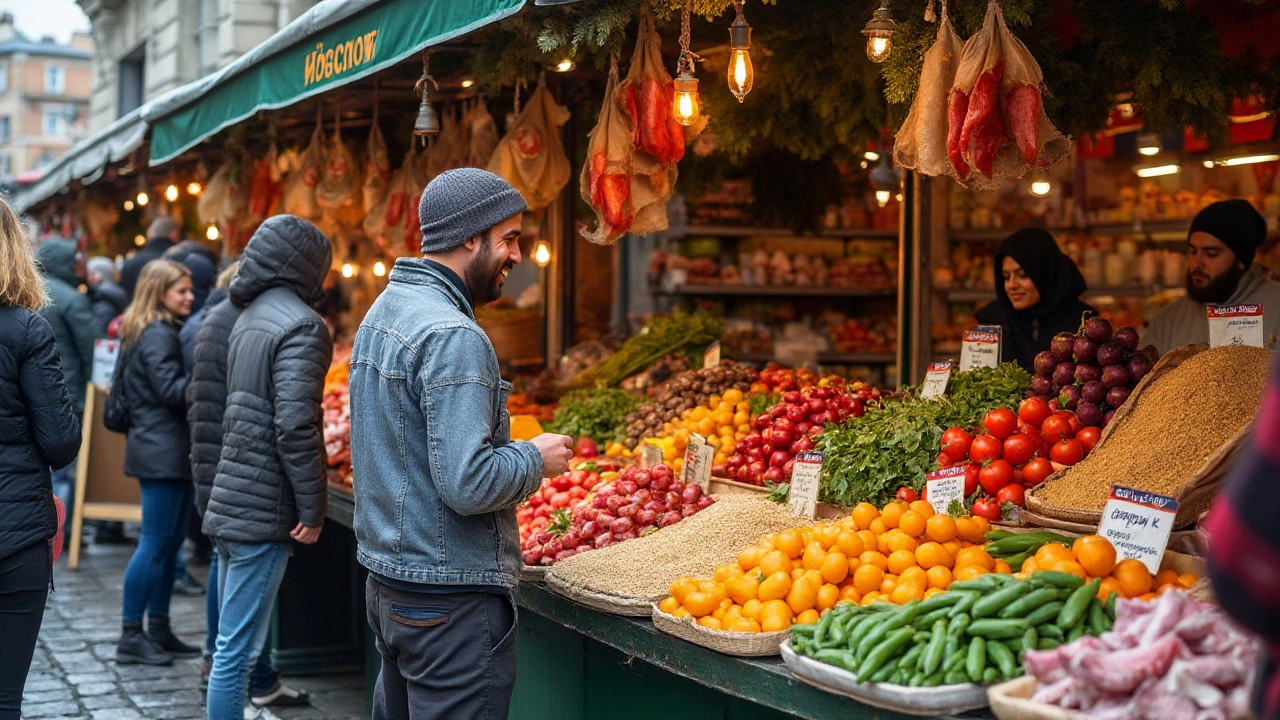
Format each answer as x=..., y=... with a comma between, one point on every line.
x=1098, y=329
x=1152, y=354
x=1069, y=398
x=1089, y=414
x=1063, y=345
x=1044, y=363
x=1139, y=365
x=1093, y=391
x=1106, y=419
x=1115, y=376
x=1117, y=395
x=1042, y=386
x=1086, y=372
x=1085, y=350
x=1127, y=338
x=1110, y=353
x=1064, y=374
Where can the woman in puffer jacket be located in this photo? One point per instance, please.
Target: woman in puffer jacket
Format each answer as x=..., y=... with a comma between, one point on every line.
x=38, y=430
x=153, y=381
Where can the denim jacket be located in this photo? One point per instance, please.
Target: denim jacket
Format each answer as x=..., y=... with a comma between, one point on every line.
x=437, y=477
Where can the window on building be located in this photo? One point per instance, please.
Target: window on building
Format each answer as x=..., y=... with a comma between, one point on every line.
x=206, y=36
x=55, y=79
x=56, y=122
x=4, y=128
x=4, y=78
x=6, y=165
x=132, y=78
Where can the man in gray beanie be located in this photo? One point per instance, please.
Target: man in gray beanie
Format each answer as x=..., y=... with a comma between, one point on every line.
x=1221, y=244
x=437, y=476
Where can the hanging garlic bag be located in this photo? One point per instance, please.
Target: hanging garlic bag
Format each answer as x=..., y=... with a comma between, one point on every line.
x=300, y=187
x=377, y=169
x=606, y=175
x=921, y=143
x=531, y=157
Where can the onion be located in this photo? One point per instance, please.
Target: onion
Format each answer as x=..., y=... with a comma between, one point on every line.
x=1042, y=385
x=1089, y=414
x=1094, y=392
x=1062, y=345
x=1139, y=365
x=1110, y=353
x=1085, y=350
x=1069, y=398
x=1064, y=374
x=1087, y=372
x=1126, y=337
x=1098, y=329
x=1117, y=395
x=1045, y=362
x=1115, y=376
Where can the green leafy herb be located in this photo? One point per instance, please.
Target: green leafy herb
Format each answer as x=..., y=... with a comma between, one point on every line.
x=778, y=492
x=763, y=403
x=681, y=333
x=600, y=414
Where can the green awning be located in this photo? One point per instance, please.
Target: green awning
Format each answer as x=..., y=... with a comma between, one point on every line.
x=310, y=57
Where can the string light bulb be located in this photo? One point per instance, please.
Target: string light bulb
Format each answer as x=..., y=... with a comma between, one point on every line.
x=467, y=83
x=194, y=189
x=542, y=253
x=379, y=268
x=143, y=198
x=1149, y=144
x=879, y=31
x=212, y=232
x=565, y=65
x=684, y=105
x=171, y=193
x=348, y=270
x=128, y=205
x=1040, y=184
x=882, y=197
x=139, y=240
x=741, y=74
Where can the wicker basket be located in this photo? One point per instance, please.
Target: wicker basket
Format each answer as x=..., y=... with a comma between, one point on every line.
x=1195, y=495
x=532, y=573
x=1012, y=701
x=725, y=486
x=742, y=644
x=605, y=602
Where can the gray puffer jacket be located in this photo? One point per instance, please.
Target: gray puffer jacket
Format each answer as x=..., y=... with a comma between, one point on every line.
x=272, y=470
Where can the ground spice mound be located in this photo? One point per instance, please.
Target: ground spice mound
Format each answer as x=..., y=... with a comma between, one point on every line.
x=694, y=547
x=1177, y=422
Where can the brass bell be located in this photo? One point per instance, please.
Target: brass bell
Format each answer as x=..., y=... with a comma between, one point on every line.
x=428, y=123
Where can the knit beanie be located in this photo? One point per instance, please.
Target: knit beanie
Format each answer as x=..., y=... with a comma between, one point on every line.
x=1236, y=223
x=460, y=204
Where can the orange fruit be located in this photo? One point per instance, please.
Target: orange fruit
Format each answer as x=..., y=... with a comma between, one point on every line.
x=743, y=587
x=954, y=547
x=932, y=554
x=968, y=572
x=774, y=587
x=813, y=556
x=1187, y=580
x=849, y=543
x=871, y=557
x=681, y=613
x=914, y=576
x=1003, y=568
x=1147, y=597
x=924, y=509
x=1030, y=566
x=828, y=596
x=789, y=543
x=711, y=623
x=1134, y=579
x=1096, y=555
x=869, y=540
x=877, y=526
x=797, y=573
x=939, y=577
x=742, y=624
x=669, y=605
x=835, y=567
x=900, y=560
x=975, y=556
x=902, y=541
x=814, y=577
x=912, y=523
x=863, y=513
x=775, y=615
x=803, y=595
x=1166, y=577
x=808, y=617
x=749, y=557
x=726, y=571
x=1066, y=566
x=931, y=592
x=775, y=561
x=867, y=578
x=700, y=604
x=906, y=593
x=892, y=513
x=1052, y=551
x=682, y=587
x=941, y=528
x=1109, y=585
x=984, y=527
x=888, y=584
x=968, y=530
x=870, y=599
x=850, y=593
x=828, y=536
x=751, y=609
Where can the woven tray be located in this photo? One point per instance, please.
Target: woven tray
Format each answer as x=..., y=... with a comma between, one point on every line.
x=605, y=602
x=1012, y=701
x=1194, y=495
x=532, y=573
x=742, y=644
x=725, y=486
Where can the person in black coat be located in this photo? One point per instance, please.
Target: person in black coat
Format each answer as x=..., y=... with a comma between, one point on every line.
x=153, y=381
x=1038, y=293
x=107, y=298
x=162, y=234
x=38, y=430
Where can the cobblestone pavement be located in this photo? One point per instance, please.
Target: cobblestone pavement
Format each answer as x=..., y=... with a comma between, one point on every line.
x=74, y=674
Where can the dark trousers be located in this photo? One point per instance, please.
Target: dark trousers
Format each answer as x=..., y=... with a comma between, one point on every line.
x=444, y=656
x=24, y=585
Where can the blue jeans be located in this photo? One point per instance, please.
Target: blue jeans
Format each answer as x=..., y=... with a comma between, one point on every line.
x=263, y=677
x=249, y=574
x=148, y=580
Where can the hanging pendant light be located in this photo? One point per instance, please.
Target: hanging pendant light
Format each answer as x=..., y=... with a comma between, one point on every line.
x=885, y=179
x=427, y=123
x=684, y=106
x=879, y=32
x=741, y=74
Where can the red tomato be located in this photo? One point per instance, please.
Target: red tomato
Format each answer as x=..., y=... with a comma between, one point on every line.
x=986, y=508
x=995, y=476
x=1056, y=428
x=1034, y=411
x=1067, y=452
x=1035, y=472
x=1076, y=425
x=908, y=495
x=971, y=472
x=1000, y=422
x=985, y=447
x=955, y=443
x=1012, y=493
x=1088, y=438
x=1019, y=448
x=944, y=460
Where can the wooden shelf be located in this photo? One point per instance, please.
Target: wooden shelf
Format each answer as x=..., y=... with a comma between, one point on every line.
x=1176, y=229
x=778, y=291
x=737, y=231
x=825, y=358
x=1137, y=290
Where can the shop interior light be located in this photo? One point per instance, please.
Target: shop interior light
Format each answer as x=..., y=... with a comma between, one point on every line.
x=143, y=198
x=212, y=232
x=379, y=268
x=685, y=106
x=128, y=205
x=139, y=240
x=1040, y=184
x=879, y=32
x=348, y=270
x=1157, y=171
x=871, y=155
x=171, y=193
x=542, y=253
x=194, y=189
x=741, y=74
x=467, y=83
x=1149, y=144
x=882, y=197
x=1242, y=160
x=565, y=65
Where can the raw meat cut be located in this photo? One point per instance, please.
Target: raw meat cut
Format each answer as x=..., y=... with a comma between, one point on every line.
x=1023, y=106
x=606, y=176
x=647, y=95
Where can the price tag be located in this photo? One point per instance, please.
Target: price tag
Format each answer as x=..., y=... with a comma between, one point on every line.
x=1235, y=325
x=802, y=498
x=943, y=486
x=981, y=348
x=650, y=456
x=105, y=354
x=711, y=358
x=1138, y=524
x=935, y=381
x=697, y=462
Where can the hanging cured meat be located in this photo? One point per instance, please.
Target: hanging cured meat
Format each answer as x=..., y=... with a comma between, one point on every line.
x=531, y=157
x=339, y=193
x=377, y=169
x=265, y=188
x=606, y=175
x=300, y=187
x=647, y=96
x=996, y=125
x=921, y=143
x=484, y=136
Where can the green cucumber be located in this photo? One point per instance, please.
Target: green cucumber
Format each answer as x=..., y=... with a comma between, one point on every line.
x=1024, y=605
x=1002, y=657
x=1097, y=622
x=1047, y=644
x=889, y=647
x=1044, y=614
x=933, y=655
x=997, y=629
x=997, y=601
x=1046, y=578
x=1078, y=604
x=976, y=661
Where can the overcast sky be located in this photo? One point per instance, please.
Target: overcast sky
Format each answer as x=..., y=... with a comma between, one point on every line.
x=58, y=18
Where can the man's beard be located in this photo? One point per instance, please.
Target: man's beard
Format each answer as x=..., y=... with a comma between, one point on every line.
x=483, y=274
x=1218, y=290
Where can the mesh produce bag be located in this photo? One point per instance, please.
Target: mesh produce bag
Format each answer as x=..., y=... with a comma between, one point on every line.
x=300, y=187
x=646, y=96
x=531, y=157
x=606, y=174
x=921, y=143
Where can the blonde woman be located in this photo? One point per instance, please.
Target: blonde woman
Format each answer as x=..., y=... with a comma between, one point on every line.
x=38, y=430
x=153, y=381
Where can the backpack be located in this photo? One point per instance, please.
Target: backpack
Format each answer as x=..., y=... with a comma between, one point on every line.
x=115, y=411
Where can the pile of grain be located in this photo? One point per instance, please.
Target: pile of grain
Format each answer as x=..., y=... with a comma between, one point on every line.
x=645, y=567
x=1177, y=422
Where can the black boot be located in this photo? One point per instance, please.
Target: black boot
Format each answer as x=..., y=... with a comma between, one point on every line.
x=160, y=634
x=136, y=647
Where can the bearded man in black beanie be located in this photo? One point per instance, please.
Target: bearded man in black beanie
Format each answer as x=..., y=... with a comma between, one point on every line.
x=1222, y=242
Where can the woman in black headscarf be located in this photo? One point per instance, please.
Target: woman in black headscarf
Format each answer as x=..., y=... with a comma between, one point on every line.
x=1038, y=293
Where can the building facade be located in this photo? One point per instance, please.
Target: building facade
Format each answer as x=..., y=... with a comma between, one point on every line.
x=44, y=99
x=148, y=47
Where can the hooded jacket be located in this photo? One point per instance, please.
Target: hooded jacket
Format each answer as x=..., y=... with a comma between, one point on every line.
x=38, y=429
x=1024, y=333
x=191, y=328
x=207, y=392
x=1184, y=321
x=272, y=470
x=70, y=315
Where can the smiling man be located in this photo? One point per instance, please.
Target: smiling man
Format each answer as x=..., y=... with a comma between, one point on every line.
x=437, y=477
x=1223, y=239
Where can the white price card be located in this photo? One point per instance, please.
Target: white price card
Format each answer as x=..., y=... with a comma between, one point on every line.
x=697, y=462
x=105, y=354
x=1138, y=524
x=650, y=456
x=981, y=348
x=802, y=498
x=935, y=381
x=711, y=357
x=1235, y=325
x=943, y=486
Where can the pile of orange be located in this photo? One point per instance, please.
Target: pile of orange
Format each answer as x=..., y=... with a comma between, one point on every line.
x=721, y=421
x=1092, y=556
x=901, y=553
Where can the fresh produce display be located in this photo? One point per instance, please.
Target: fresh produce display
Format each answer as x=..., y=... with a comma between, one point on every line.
x=636, y=503
x=1090, y=557
x=976, y=632
x=336, y=408
x=899, y=554
x=598, y=413
x=1180, y=419
x=1092, y=371
x=767, y=453
x=775, y=379
x=564, y=492
x=861, y=466
x=682, y=393
x=679, y=333
x=779, y=268
x=1174, y=658
x=721, y=421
